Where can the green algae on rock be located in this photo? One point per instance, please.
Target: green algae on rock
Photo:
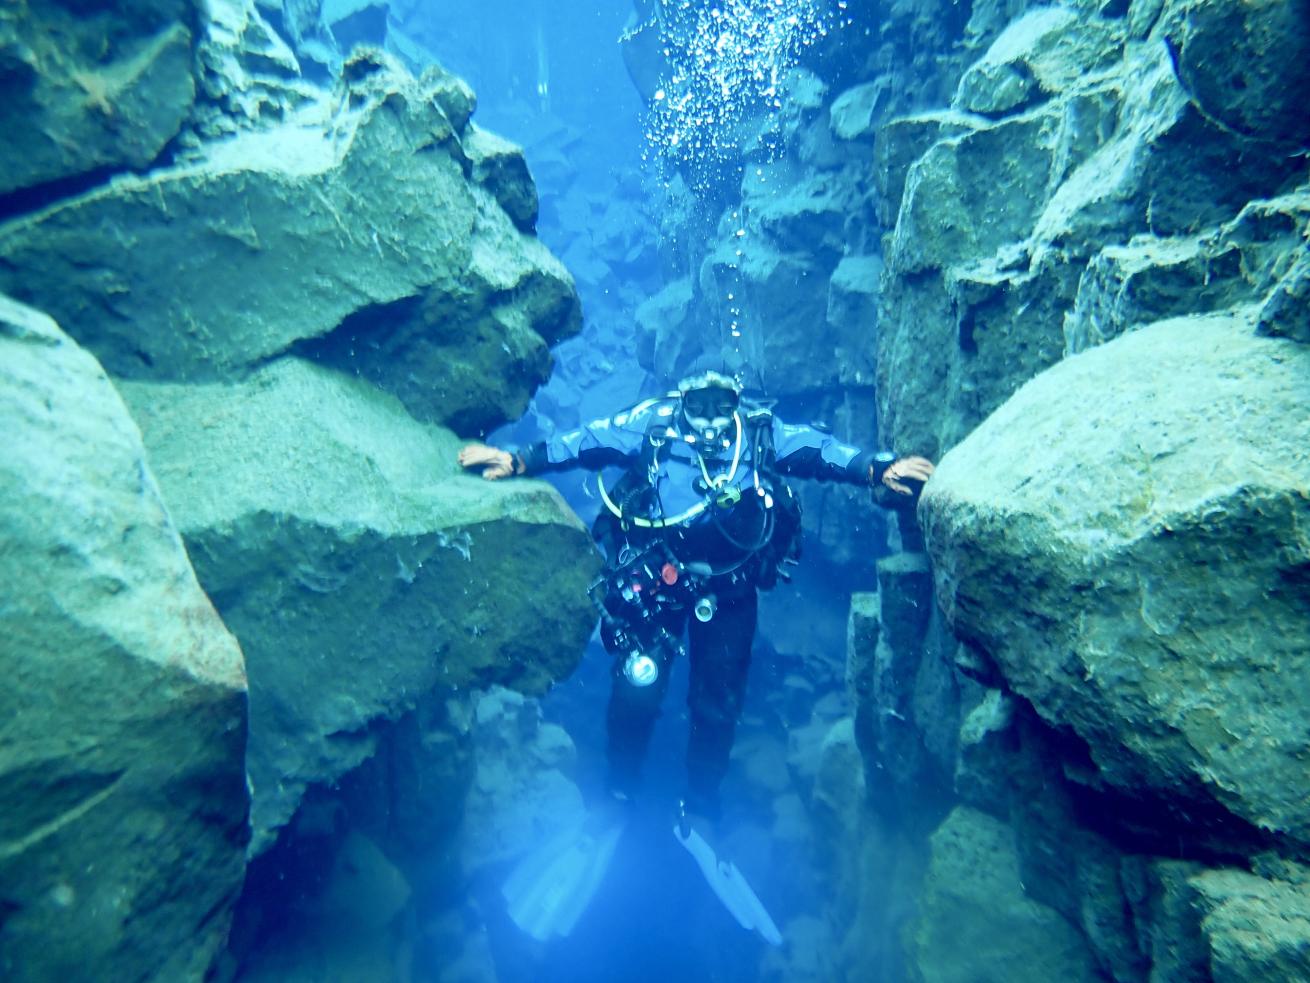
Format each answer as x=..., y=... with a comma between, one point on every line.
x=356, y=210
x=1137, y=567
x=355, y=563
x=977, y=924
x=999, y=219
x=123, y=714
x=85, y=88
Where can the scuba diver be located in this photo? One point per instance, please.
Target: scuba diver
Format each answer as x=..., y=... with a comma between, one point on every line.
x=699, y=523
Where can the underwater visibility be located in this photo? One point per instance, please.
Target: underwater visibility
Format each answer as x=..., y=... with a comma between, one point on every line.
x=726, y=491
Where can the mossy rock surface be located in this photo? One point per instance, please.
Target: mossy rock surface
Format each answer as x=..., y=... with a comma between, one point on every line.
x=356, y=230
x=1128, y=538
x=356, y=564
x=976, y=924
x=123, y=714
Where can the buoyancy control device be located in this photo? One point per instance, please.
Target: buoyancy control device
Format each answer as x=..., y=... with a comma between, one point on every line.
x=647, y=581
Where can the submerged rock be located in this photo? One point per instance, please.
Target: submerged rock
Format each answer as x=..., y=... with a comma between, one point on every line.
x=1256, y=928
x=1286, y=312
x=1002, y=222
x=355, y=230
x=976, y=923
x=356, y=564
x=123, y=714
x=1042, y=53
x=522, y=795
x=1246, y=64
x=1138, y=568
x=87, y=87
x=1256, y=255
x=852, y=114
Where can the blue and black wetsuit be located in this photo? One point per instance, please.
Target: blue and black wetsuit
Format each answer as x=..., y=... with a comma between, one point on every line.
x=726, y=494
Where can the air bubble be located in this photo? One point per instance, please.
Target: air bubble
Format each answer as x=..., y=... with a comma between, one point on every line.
x=726, y=64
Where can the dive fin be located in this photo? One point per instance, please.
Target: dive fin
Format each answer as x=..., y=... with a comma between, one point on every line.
x=550, y=888
x=726, y=881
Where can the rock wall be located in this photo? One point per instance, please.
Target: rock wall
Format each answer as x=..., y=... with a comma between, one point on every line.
x=359, y=568
x=124, y=710
x=1074, y=177
x=1090, y=314
x=304, y=288
x=1070, y=241
x=368, y=230
x=92, y=90
x=1168, y=524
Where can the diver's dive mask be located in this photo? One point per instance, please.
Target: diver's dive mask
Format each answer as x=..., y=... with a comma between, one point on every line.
x=708, y=413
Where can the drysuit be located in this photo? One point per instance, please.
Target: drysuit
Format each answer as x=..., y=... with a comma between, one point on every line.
x=720, y=507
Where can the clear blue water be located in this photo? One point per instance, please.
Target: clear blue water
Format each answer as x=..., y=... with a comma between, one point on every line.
x=654, y=918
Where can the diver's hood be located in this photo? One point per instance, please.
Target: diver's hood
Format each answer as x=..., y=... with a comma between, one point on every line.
x=709, y=380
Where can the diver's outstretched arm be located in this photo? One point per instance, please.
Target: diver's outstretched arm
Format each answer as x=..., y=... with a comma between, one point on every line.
x=915, y=468
x=494, y=462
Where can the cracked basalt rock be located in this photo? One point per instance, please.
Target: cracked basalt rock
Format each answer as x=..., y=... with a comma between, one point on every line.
x=1255, y=927
x=1224, y=924
x=1040, y=54
x=359, y=568
x=354, y=230
x=976, y=922
x=998, y=220
x=1140, y=568
x=1286, y=311
x=85, y=88
x=123, y=714
x=1254, y=257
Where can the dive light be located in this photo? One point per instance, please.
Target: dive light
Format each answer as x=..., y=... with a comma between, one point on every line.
x=705, y=608
x=640, y=669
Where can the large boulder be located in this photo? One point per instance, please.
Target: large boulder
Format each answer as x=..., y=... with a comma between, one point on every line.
x=1138, y=564
x=123, y=714
x=355, y=563
x=1256, y=928
x=353, y=230
x=91, y=87
x=1098, y=146
x=977, y=924
x=1246, y=64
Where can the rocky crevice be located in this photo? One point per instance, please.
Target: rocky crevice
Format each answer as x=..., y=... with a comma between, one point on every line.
x=221, y=268
x=1063, y=747
x=1105, y=214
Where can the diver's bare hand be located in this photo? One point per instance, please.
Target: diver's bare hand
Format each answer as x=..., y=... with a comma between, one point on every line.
x=494, y=462
x=914, y=468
